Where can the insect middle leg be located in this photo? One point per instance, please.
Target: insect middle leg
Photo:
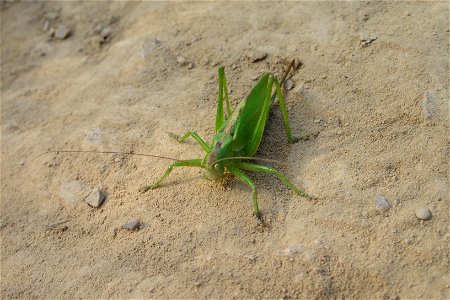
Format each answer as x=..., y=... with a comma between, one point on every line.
x=266, y=169
x=181, y=163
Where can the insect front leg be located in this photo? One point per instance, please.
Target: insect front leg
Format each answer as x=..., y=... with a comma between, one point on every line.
x=266, y=169
x=181, y=163
x=292, y=139
x=244, y=178
x=188, y=134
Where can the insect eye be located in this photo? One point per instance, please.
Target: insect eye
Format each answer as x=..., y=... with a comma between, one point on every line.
x=216, y=166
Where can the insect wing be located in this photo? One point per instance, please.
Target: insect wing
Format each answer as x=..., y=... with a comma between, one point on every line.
x=249, y=116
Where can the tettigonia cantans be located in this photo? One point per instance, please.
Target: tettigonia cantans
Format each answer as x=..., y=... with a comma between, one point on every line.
x=238, y=135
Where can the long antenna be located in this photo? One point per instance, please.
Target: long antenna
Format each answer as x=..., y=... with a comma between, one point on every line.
x=105, y=152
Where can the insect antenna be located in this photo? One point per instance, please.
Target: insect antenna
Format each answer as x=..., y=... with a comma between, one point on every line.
x=105, y=152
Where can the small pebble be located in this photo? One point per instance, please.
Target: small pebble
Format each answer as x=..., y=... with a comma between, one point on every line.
x=95, y=199
x=429, y=105
x=289, y=85
x=367, y=39
x=191, y=66
x=258, y=56
x=106, y=34
x=181, y=60
x=22, y=163
x=254, y=78
x=317, y=121
x=132, y=225
x=62, y=32
x=423, y=214
x=233, y=67
x=381, y=203
x=250, y=257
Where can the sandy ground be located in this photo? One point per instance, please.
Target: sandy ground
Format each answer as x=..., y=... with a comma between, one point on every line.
x=372, y=95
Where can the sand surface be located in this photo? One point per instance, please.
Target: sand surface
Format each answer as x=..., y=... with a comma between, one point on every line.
x=371, y=96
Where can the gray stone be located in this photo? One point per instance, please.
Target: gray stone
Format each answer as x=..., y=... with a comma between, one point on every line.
x=367, y=39
x=423, y=214
x=257, y=56
x=289, y=85
x=381, y=203
x=106, y=34
x=62, y=32
x=429, y=105
x=95, y=198
x=132, y=225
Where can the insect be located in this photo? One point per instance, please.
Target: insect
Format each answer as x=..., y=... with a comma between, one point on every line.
x=238, y=135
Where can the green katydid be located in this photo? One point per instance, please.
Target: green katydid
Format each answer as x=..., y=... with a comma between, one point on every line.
x=238, y=135
x=237, y=138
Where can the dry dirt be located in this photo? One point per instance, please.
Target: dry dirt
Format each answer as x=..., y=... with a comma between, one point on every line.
x=372, y=95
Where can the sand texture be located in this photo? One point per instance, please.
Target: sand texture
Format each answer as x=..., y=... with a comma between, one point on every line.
x=370, y=99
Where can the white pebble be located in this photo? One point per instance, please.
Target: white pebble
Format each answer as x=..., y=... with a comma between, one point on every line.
x=181, y=60
x=250, y=257
x=423, y=214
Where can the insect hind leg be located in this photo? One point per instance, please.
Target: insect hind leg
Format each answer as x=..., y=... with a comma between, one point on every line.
x=292, y=139
x=223, y=92
x=266, y=169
